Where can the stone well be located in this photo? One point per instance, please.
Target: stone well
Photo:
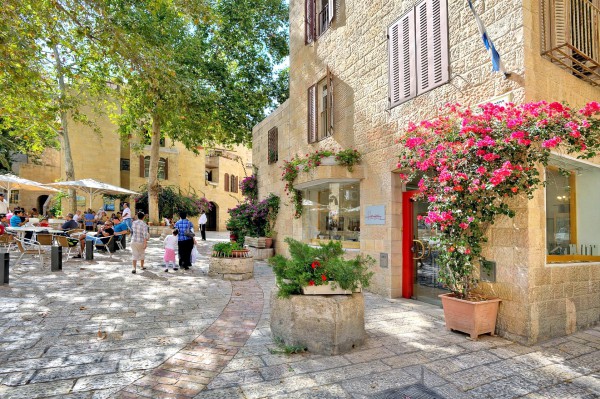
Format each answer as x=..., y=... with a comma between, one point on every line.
x=324, y=324
x=231, y=268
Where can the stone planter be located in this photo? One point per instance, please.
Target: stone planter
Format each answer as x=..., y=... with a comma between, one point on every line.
x=473, y=318
x=324, y=324
x=231, y=268
x=328, y=161
x=256, y=242
x=326, y=289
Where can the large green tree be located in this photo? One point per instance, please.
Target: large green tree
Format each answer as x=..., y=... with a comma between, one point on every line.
x=198, y=72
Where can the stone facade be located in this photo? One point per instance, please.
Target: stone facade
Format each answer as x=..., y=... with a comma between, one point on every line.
x=99, y=156
x=539, y=300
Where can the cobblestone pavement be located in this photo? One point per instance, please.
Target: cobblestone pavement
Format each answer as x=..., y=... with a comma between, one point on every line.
x=96, y=331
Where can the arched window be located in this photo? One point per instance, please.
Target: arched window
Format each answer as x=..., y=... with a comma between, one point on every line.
x=163, y=168
x=226, y=181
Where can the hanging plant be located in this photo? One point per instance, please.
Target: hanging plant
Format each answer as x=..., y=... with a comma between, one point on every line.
x=470, y=165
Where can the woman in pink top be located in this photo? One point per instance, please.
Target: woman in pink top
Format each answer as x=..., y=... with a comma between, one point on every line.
x=170, y=246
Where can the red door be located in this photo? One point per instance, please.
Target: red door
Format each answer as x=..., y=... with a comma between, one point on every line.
x=408, y=275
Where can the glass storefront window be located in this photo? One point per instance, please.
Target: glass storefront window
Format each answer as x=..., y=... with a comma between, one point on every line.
x=331, y=211
x=572, y=217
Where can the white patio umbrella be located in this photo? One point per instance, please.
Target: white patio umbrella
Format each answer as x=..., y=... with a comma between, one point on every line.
x=11, y=182
x=92, y=187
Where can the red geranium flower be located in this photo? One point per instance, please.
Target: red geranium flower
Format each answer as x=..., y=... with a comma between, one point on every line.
x=311, y=282
x=323, y=277
x=315, y=264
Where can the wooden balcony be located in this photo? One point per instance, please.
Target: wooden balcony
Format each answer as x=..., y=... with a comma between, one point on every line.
x=570, y=31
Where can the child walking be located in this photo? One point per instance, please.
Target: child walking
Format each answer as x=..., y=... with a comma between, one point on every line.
x=170, y=245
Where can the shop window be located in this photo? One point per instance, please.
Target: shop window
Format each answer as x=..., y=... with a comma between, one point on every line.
x=81, y=201
x=14, y=197
x=331, y=211
x=572, y=217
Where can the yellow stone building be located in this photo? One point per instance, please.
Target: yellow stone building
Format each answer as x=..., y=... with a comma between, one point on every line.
x=360, y=71
x=213, y=173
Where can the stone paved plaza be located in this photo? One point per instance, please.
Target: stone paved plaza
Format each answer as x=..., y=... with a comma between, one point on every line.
x=95, y=330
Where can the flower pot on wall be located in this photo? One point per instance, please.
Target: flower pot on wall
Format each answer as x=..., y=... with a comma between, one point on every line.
x=328, y=161
x=471, y=317
x=268, y=242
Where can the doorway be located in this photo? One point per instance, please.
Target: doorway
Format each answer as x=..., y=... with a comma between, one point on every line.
x=212, y=218
x=420, y=268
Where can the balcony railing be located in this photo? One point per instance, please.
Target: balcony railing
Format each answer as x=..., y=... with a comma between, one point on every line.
x=571, y=36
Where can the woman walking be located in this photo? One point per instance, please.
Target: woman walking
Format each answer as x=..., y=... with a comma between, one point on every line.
x=139, y=241
x=185, y=240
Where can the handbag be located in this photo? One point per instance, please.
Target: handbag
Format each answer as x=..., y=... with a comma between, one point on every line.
x=189, y=233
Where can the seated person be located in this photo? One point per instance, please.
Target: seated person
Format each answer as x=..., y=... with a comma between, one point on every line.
x=34, y=213
x=103, y=235
x=44, y=222
x=120, y=229
x=70, y=224
x=17, y=220
x=4, y=220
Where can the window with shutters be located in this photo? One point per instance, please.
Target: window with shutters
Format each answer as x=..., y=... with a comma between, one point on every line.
x=320, y=109
x=272, y=146
x=226, y=185
x=418, y=51
x=318, y=16
x=234, y=184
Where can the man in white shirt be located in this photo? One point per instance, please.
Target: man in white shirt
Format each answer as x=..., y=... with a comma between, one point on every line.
x=3, y=204
x=126, y=215
x=202, y=222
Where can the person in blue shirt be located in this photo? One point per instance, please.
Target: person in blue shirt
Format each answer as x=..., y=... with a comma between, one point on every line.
x=16, y=220
x=119, y=228
x=185, y=244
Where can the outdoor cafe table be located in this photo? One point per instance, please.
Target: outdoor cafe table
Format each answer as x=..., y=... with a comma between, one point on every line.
x=33, y=229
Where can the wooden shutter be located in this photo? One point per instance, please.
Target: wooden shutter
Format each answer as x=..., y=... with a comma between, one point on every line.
x=166, y=168
x=330, y=99
x=331, y=11
x=431, y=25
x=142, y=166
x=401, y=57
x=272, y=146
x=312, y=114
x=226, y=182
x=309, y=21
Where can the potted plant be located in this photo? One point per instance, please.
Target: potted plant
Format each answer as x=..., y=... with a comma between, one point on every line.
x=348, y=158
x=310, y=266
x=329, y=322
x=230, y=261
x=470, y=166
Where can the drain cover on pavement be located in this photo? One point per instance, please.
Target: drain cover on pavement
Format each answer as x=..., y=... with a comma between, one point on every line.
x=415, y=391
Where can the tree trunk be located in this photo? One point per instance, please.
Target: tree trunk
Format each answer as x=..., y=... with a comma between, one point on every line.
x=69, y=168
x=153, y=184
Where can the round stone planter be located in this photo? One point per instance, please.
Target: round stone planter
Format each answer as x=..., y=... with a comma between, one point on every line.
x=231, y=268
x=324, y=324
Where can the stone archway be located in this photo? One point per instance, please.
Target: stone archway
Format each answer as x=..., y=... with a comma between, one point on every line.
x=41, y=200
x=212, y=217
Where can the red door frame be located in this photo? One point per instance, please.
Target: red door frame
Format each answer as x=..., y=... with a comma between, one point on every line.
x=408, y=273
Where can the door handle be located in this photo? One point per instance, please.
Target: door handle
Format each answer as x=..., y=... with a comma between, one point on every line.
x=419, y=252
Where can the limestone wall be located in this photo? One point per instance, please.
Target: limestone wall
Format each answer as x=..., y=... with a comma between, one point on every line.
x=536, y=301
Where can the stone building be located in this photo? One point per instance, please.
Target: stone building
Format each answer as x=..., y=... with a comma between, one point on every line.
x=360, y=71
x=214, y=173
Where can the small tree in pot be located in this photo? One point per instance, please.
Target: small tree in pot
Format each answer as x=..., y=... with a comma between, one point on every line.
x=470, y=165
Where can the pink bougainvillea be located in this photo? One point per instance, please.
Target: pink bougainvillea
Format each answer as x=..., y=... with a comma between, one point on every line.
x=468, y=163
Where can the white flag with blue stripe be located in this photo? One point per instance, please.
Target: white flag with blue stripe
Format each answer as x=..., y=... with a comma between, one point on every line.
x=497, y=64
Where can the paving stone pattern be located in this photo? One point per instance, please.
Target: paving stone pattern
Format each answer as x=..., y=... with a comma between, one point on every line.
x=97, y=331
